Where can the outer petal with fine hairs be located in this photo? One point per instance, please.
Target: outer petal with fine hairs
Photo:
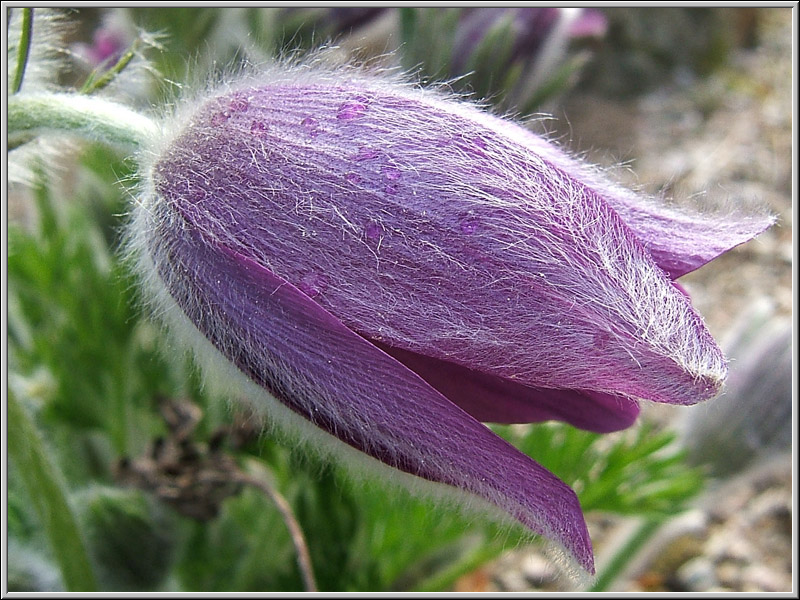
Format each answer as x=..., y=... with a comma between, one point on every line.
x=308, y=360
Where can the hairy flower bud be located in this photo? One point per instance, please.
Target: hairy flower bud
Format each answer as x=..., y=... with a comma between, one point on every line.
x=394, y=267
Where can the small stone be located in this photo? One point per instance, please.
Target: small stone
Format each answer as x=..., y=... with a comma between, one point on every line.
x=771, y=506
x=537, y=570
x=698, y=575
x=729, y=574
x=512, y=581
x=759, y=578
x=728, y=543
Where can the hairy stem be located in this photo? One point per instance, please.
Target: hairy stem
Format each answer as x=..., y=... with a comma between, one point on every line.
x=94, y=119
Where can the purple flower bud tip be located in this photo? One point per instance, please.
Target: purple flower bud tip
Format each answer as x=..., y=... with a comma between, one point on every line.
x=394, y=267
x=109, y=41
x=591, y=23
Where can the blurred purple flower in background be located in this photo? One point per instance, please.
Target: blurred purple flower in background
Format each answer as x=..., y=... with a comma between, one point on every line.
x=110, y=40
x=117, y=57
x=518, y=51
x=529, y=29
x=345, y=18
x=395, y=267
x=514, y=57
x=755, y=419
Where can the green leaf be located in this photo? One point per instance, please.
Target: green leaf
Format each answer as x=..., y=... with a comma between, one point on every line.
x=428, y=36
x=23, y=50
x=558, y=81
x=491, y=58
x=46, y=490
x=74, y=319
x=640, y=471
x=100, y=78
x=130, y=537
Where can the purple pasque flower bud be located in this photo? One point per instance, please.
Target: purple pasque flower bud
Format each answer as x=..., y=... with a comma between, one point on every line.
x=394, y=267
x=114, y=35
x=528, y=27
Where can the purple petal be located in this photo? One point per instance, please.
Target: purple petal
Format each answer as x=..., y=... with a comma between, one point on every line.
x=455, y=240
x=308, y=360
x=495, y=400
x=679, y=240
x=590, y=23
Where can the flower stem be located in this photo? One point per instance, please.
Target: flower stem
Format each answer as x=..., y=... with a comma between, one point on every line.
x=94, y=119
x=23, y=50
x=295, y=531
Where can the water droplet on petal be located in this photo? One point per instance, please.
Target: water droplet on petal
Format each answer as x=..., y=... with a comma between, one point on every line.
x=392, y=173
x=258, y=127
x=365, y=153
x=469, y=225
x=373, y=231
x=310, y=125
x=238, y=104
x=351, y=109
x=312, y=284
x=219, y=118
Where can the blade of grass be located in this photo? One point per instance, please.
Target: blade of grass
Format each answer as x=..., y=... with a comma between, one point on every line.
x=96, y=82
x=446, y=579
x=47, y=493
x=622, y=558
x=24, y=49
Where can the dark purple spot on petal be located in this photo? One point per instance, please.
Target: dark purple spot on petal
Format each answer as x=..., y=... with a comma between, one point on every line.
x=353, y=178
x=391, y=188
